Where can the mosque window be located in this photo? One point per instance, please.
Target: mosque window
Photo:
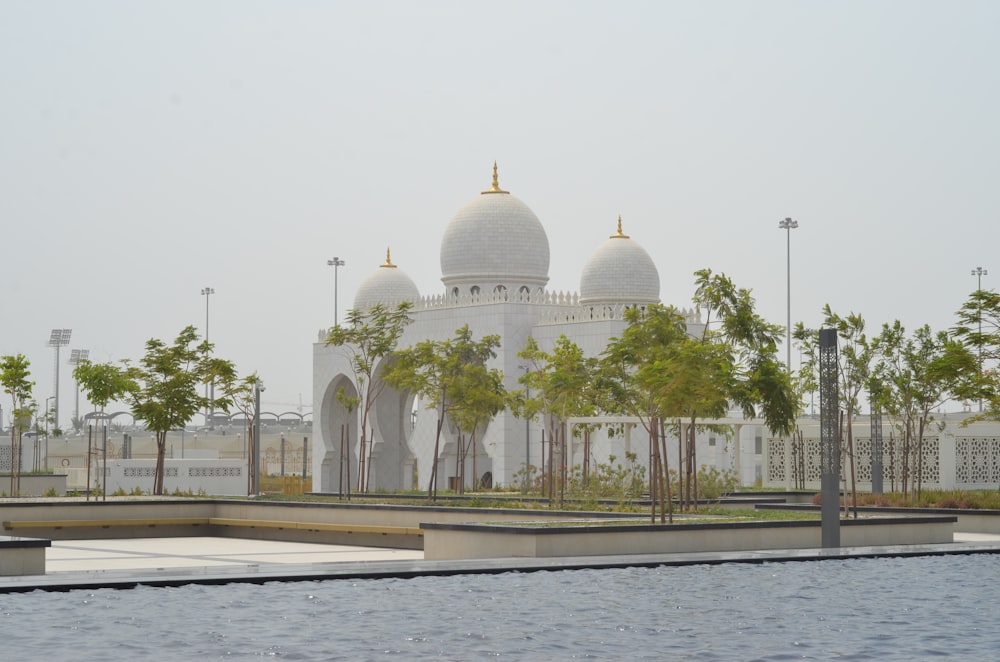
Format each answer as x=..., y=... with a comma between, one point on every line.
x=474, y=290
x=454, y=292
x=500, y=291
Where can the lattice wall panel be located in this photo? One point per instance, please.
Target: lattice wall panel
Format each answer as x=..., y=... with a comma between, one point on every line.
x=977, y=460
x=984, y=461
x=776, y=460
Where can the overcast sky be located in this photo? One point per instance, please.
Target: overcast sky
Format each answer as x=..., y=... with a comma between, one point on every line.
x=150, y=149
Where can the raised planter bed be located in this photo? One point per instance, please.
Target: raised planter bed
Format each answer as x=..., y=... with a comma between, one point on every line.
x=535, y=540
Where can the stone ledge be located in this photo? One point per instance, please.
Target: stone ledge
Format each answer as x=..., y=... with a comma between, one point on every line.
x=533, y=540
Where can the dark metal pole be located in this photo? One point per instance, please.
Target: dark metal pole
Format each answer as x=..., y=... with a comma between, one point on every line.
x=256, y=434
x=829, y=409
x=877, y=447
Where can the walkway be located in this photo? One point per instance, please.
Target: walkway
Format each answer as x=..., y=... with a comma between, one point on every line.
x=125, y=563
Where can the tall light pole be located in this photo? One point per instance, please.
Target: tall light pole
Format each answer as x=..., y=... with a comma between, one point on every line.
x=336, y=263
x=75, y=356
x=258, y=386
x=788, y=225
x=979, y=272
x=59, y=338
x=207, y=292
x=47, y=412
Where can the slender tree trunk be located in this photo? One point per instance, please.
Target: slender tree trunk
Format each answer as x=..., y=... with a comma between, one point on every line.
x=906, y=459
x=433, y=483
x=361, y=461
x=802, y=461
x=368, y=463
x=161, y=454
x=552, y=442
x=563, y=462
x=654, y=470
x=666, y=495
x=892, y=461
x=920, y=455
x=850, y=456
x=693, y=459
x=842, y=479
x=655, y=467
x=681, y=479
x=475, y=469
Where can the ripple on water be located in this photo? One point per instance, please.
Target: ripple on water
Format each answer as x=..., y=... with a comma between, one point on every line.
x=863, y=609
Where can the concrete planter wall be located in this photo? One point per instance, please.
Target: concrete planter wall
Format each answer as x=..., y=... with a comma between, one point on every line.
x=465, y=541
x=36, y=484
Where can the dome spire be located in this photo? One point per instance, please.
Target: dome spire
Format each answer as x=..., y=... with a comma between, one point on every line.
x=619, y=234
x=496, y=182
x=388, y=260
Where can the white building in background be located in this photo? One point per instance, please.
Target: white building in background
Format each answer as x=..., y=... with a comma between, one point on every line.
x=494, y=267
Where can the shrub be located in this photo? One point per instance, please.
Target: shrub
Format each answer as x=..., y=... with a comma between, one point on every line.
x=713, y=483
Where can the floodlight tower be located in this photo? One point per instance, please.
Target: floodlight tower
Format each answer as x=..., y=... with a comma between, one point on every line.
x=59, y=338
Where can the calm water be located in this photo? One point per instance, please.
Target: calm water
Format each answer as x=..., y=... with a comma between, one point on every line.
x=868, y=609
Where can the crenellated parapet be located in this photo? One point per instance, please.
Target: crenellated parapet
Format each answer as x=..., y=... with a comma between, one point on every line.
x=497, y=296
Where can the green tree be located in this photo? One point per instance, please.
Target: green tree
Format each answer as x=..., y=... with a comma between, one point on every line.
x=746, y=369
x=369, y=337
x=978, y=328
x=761, y=386
x=14, y=374
x=916, y=374
x=560, y=383
x=630, y=381
x=240, y=394
x=438, y=371
x=103, y=383
x=477, y=395
x=165, y=393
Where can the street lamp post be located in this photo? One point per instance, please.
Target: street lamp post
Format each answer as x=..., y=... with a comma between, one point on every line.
x=979, y=272
x=258, y=386
x=788, y=225
x=45, y=466
x=75, y=357
x=58, y=338
x=207, y=292
x=336, y=263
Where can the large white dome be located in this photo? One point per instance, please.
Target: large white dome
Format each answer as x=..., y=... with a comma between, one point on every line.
x=619, y=271
x=494, y=243
x=388, y=285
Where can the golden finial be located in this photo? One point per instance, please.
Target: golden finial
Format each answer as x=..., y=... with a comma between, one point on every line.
x=619, y=234
x=496, y=182
x=388, y=260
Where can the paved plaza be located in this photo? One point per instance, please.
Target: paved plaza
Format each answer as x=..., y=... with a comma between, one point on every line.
x=124, y=563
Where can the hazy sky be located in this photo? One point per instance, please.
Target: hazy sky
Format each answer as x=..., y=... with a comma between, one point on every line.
x=150, y=149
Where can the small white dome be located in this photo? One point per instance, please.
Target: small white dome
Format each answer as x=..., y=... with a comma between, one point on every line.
x=619, y=271
x=388, y=285
x=495, y=240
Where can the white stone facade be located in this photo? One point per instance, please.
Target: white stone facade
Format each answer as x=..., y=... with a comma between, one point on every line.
x=494, y=264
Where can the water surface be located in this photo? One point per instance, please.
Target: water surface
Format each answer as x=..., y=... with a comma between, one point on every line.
x=861, y=609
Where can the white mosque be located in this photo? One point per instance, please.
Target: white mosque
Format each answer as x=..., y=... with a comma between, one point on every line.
x=494, y=266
